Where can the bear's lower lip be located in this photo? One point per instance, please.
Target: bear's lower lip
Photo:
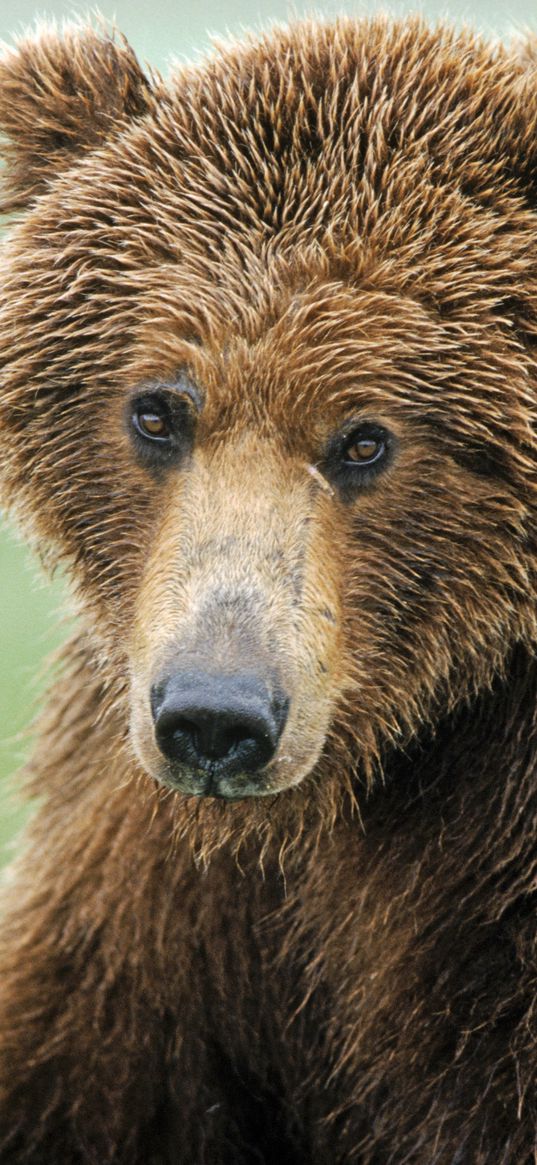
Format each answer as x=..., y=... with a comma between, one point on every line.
x=221, y=788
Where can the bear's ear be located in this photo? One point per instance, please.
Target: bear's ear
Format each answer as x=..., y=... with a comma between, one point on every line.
x=62, y=93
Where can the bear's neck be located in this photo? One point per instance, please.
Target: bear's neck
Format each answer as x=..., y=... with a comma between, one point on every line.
x=488, y=744
x=466, y=797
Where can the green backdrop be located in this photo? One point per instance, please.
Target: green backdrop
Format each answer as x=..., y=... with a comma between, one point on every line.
x=160, y=31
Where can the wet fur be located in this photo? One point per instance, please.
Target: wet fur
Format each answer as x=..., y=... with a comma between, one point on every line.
x=344, y=972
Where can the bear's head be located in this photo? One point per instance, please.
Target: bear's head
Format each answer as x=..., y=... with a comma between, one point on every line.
x=268, y=382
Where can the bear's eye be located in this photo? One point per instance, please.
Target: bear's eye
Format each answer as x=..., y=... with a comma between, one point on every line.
x=363, y=449
x=162, y=424
x=355, y=457
x=150, y=424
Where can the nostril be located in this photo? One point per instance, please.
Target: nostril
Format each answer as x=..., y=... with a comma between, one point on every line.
x=211, y=738
x=281, y=710
x=224, y=723
x=186, y=728
x=156, y=697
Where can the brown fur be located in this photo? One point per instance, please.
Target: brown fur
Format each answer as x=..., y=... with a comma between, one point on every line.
x=332, y=224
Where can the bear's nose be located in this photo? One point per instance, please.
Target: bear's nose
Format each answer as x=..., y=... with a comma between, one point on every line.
x=221, y=724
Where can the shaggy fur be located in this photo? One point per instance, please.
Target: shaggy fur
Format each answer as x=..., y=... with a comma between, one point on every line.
x=329, y=226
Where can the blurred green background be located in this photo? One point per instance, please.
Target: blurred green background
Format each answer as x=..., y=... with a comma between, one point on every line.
x=160, y=31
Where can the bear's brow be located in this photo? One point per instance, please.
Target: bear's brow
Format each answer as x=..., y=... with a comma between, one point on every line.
x=183, y=385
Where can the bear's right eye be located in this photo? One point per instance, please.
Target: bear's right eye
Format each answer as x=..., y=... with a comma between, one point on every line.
x=150, y=424
x=162, y=424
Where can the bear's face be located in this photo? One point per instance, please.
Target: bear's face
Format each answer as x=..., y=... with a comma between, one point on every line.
x=269, y=389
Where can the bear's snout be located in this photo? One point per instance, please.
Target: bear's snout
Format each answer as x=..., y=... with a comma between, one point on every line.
x=224, y=729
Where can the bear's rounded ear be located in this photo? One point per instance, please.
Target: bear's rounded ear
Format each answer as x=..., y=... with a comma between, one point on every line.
x=62, y=93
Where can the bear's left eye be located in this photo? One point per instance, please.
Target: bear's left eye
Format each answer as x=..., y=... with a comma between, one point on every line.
x=363, y=449
x=355, y=457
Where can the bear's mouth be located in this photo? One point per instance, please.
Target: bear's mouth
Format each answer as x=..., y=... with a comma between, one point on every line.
x=211, y=782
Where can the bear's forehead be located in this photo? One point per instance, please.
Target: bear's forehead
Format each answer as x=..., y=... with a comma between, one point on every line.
x=121, y=284
x=369, y=158
x=323, y=151
x=319, y=209
x=342, y=328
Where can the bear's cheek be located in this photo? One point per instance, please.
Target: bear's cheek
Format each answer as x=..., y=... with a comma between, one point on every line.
x=239, y=620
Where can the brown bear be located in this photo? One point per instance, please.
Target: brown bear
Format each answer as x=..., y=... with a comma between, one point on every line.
x=269, y=392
